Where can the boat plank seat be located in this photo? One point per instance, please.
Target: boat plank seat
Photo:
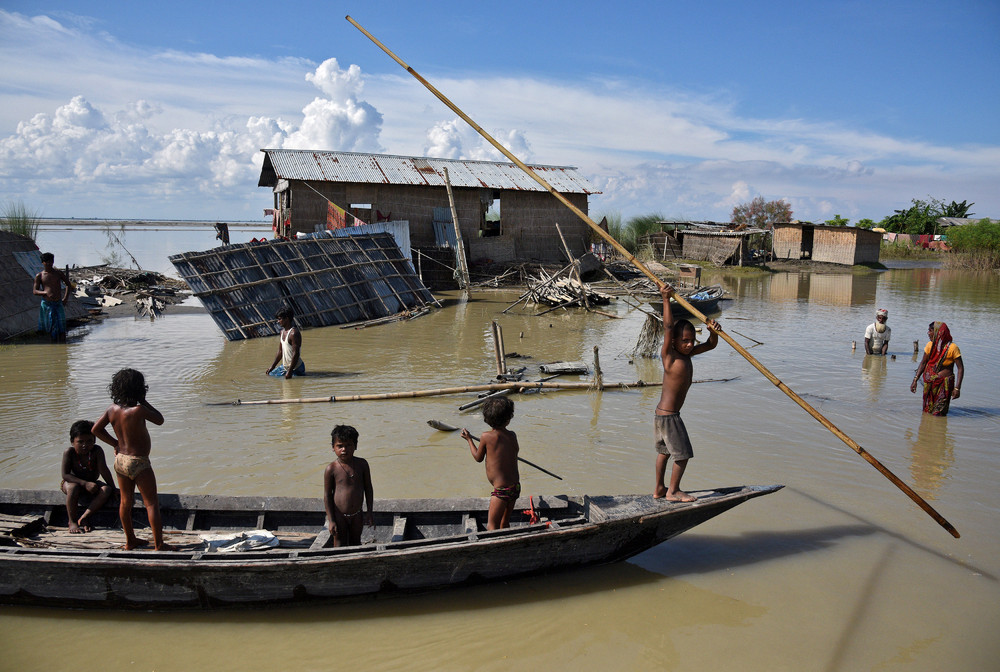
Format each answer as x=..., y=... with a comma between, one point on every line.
x=398, y=529
x=471, y=524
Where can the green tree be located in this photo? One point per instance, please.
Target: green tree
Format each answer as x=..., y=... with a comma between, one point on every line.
x=837, y=221
x=954, y=209
x=919, y=219
x=762, y=214
x=865, y=224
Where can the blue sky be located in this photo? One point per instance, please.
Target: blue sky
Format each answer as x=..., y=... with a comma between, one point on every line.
x=130, y=110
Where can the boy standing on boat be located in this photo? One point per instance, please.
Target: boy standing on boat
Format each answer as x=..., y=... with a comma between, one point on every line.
x=499, y=448
x=82, y=465
x=289, y=348
x=49, y=285
x=128, y=416
x=672, y=440
x=347, y=485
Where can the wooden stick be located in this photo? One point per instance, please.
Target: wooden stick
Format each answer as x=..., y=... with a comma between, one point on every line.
x=492, y=387
x=463, y=266
x=598, y=376
x=531, y=464
x=659, y=283
x=437, y=424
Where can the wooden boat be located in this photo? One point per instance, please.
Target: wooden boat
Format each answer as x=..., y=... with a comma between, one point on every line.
x=418, y=544
x=704, y=299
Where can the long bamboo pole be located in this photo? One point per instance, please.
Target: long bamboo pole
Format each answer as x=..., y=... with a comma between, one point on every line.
x=851, y=443
x=519, y=386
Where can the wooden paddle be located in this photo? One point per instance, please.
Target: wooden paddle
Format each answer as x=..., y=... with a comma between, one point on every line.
x=635, y=262
x=437, y=424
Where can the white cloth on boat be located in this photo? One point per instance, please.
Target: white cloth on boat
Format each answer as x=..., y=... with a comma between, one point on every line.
x=235, y=542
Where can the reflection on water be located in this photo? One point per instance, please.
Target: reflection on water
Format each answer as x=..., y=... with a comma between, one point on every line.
x=932, y=451
x=753, y=584
x=874, y=368
x=836, y=289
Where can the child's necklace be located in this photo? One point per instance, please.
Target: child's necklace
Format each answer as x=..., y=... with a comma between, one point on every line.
x=349, y=472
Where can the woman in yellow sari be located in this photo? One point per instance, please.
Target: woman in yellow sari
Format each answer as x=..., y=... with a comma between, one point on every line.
x=942, y=370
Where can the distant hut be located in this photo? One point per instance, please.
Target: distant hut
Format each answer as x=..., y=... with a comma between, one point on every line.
x=20, y=260
x=724, y=247
x=309, y=186
x=846, y=245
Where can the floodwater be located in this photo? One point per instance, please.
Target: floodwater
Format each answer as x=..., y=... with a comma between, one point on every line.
x=838, y=571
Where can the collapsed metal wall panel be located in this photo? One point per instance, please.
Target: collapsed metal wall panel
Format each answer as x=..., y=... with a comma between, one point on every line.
x=326, y=280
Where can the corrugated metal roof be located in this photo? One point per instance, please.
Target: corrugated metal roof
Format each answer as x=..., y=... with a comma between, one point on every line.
x=301, y=164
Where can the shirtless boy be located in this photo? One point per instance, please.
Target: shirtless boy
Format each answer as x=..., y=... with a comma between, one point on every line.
x=679, y=346
x=289, y=348
x=347, y=485
x=128, y=416
x=82, y=465
x=499, y=448
x=49, y=285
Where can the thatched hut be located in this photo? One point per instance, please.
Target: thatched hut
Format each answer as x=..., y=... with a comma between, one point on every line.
x=846, y=245
x=20, y=260
x=309, y=186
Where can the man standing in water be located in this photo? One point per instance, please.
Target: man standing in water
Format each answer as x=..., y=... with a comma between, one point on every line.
x=877, y=334
x=49, y=285
x=672, y=441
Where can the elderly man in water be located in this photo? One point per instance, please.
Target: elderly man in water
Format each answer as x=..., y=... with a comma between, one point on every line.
x=877, y=334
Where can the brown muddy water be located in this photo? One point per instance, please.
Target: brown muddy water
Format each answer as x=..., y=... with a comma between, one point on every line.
x=838, y=571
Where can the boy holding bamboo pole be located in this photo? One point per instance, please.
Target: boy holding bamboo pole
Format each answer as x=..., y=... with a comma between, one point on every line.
x=672, y=440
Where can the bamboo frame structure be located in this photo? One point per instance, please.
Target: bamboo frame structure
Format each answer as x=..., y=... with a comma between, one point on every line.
x=325, y=280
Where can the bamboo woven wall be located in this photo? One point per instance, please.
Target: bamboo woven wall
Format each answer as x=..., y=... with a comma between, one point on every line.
x=325, y=280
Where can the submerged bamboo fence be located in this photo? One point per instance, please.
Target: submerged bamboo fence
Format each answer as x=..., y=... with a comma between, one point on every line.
x=325, y=280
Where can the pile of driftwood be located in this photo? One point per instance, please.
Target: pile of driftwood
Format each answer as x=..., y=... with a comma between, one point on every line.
x=562, y=291
x=104, y=287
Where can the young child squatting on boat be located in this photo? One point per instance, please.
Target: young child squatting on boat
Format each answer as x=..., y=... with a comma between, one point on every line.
x=289, y=347
x=499, y=448
x=82, y=465
x=49, y=285
x=347, y=485
x=679, y=346
x=128, y=416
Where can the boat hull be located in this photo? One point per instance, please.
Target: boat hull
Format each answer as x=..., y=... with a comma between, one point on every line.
x=574, y=532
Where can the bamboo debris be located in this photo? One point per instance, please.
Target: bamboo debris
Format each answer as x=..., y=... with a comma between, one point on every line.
x=650, y=338
x=520, y=386
x=565, y=291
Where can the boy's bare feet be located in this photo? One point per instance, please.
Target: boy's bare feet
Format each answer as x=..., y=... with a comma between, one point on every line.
x=74, y=528
x=660, y=492
x=83, y=525
x=680, y=496
x=137, y=543
x=166, y=547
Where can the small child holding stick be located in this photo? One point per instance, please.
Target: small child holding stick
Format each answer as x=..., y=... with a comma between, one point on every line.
x=499, y=448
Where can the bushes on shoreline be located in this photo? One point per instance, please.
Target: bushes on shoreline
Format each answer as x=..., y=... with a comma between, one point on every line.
x=17, y=218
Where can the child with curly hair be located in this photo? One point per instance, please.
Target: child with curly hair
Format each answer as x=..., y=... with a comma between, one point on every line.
x=128, y=416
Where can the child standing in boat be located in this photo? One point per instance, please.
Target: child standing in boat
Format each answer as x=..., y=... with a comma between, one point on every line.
x=128, y=416
x=347, y=485
x=671, y=437
x=499, y=448
x=83, y=465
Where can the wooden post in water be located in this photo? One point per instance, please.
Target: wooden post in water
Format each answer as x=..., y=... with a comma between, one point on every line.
x=463, y=264
x=598, y=376
x=498, y=349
